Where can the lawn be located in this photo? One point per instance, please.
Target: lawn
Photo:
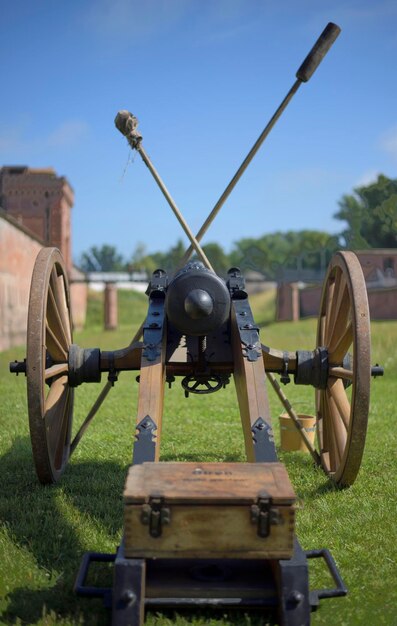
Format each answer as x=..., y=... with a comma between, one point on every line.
x=45, y=530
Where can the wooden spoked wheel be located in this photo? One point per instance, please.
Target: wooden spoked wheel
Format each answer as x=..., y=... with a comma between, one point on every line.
x=50, y=399
x=342, y=407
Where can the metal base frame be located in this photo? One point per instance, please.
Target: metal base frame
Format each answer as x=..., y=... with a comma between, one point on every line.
x=278, y=587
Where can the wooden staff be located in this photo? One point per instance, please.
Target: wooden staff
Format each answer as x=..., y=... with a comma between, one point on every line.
x=127, y=124
x=303, y=74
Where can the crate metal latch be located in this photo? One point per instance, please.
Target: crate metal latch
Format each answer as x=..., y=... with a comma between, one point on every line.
x=264, y=515
x=155, y=515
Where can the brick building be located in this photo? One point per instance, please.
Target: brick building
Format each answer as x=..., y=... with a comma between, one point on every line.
x=40, y=201
x=35, y=211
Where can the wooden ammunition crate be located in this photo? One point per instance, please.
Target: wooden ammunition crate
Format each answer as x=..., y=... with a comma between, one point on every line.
x=208, y=510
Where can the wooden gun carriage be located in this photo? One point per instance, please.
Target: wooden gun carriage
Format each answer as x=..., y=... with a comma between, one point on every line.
x=205, y=534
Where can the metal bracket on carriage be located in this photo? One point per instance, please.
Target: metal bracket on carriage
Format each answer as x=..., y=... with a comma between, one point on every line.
x=249, y=332
x=145, y=441
x=285, y=377
x=158, y=284
x=236, y=284
x=153, y=327
x=113, y=374
x=263, y=440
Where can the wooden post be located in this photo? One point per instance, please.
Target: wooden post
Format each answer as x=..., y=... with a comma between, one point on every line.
x=111, y=309
x=287, y=305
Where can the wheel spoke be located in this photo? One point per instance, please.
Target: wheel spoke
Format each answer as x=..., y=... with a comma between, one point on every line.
x=54, y=395
x=338, y=394
x=343, y=313
x=63, y=433
x=337, y=315
x=324, y=441
x=338, y=427
x=55, y=370
x=55, y=321
x=332, y=444
x=341, y=372
x=330, y=299
x=55, y=412
x=57, y=352
x=321, y=340
x=341, y=346
x=58, y=285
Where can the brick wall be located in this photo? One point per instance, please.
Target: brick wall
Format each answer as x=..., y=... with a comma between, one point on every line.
x=18, y=252
x=383, y=303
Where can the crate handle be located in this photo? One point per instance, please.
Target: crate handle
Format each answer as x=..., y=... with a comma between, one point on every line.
x=340, y=588
x=88, y=591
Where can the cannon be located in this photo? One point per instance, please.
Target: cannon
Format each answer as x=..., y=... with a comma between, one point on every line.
x=206, y=534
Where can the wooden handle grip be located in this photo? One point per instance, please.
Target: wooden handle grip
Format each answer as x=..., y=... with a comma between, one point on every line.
x=318, y=52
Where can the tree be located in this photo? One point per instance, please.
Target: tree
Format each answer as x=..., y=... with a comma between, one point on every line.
x=141, y=260
x=371, y=215
x=217, y=257
x=304, y=249
x=103, y=259
x=138, y=256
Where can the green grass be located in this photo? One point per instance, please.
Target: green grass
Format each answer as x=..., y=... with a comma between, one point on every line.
x=45, y=530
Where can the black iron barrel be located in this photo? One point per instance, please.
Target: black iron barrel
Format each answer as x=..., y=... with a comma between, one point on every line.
x=197, y=301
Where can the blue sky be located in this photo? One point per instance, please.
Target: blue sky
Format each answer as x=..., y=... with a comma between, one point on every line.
x=203, y=77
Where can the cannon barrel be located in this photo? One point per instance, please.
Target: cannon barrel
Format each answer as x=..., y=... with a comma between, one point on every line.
x=197, y=301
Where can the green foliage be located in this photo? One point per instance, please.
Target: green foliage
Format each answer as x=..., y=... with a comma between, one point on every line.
x=305, y=249
x=103, y=259
x=171, y=259
x=217, y=257
x=371, y=215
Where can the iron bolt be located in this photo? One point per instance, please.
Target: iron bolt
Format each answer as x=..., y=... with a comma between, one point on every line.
x=128, y=597
x=296, y=597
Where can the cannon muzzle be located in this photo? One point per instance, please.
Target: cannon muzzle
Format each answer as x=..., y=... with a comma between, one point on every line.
x=197, y=301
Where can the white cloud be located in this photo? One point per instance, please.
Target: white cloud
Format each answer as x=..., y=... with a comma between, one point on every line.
x=21, y=143
x=10, y=142
x=133, y=18
x=313, y=176
x=388, y=141
x=366, y=178
x=67, y=134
